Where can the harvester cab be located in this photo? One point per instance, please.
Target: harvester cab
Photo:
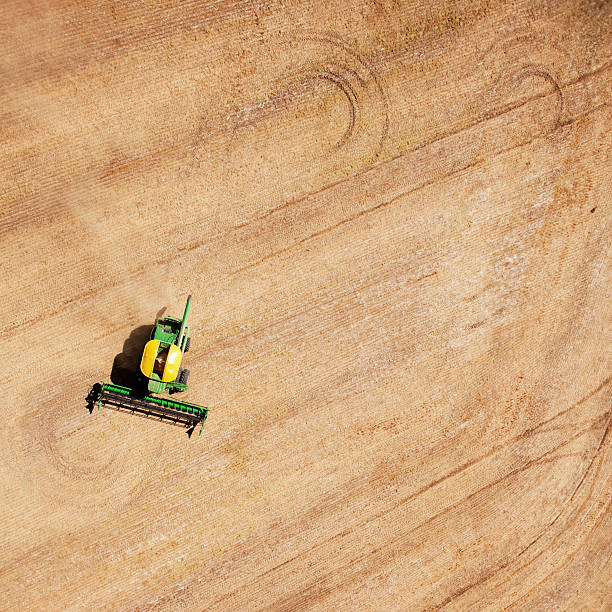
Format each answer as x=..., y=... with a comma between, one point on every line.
x=161, y=365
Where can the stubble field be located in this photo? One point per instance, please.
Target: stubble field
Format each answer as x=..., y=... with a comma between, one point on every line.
x=395, y=222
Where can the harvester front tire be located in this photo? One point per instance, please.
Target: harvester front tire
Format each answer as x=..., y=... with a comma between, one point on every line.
x=184, y=376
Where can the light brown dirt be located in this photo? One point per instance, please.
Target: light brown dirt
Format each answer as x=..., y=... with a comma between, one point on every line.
x=395, y=220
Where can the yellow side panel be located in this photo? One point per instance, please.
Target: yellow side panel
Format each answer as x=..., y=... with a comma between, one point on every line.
x=148, y=357
x=173, y=362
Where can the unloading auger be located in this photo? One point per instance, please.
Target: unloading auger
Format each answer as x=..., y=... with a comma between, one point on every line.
x=161, y=366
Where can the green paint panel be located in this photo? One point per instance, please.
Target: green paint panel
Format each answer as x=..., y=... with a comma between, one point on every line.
x=159, y=401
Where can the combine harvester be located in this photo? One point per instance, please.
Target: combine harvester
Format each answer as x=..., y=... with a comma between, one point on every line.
x=161, y=365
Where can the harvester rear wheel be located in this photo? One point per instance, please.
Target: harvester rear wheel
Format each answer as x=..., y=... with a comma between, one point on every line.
x=187, y=344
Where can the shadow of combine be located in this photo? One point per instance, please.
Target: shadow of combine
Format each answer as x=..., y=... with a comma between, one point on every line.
x=126, y=365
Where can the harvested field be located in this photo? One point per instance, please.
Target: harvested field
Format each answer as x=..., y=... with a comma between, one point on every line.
x=395, y=221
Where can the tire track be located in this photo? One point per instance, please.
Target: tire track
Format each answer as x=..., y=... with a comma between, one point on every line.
x=358, y=486
x=606, y=420
x=86, y=461
x=325, y=585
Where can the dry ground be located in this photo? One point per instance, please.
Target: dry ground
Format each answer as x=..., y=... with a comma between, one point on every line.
x=395, y=220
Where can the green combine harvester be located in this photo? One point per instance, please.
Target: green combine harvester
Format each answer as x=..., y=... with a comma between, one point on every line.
x=160, y=366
